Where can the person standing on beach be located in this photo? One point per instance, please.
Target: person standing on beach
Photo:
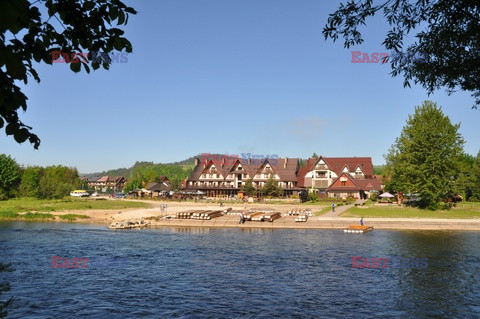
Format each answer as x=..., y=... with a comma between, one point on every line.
x=241, y=219
x=361, y=221
x=221, y=203
x=333, y=207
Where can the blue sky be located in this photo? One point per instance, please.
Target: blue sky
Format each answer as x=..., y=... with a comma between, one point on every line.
x=226, y=77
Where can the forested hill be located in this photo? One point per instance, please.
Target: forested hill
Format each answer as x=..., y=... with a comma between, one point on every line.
x=186, y=165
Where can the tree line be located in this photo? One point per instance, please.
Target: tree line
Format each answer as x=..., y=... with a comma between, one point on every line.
x=148, y=172
x=50, y=182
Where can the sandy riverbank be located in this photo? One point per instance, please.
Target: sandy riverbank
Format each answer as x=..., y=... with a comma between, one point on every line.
x=105, y=217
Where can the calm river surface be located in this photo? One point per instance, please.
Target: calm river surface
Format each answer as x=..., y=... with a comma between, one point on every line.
x=238, y=273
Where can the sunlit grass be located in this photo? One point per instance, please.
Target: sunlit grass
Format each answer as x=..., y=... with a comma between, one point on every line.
x=72, y=217
x=37, y=216
x=463, y=210
x=8, y=215
x=20, y=205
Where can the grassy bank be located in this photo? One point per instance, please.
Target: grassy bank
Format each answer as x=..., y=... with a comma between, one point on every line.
x=23, y=205
x=8, y=215
x=463, y=210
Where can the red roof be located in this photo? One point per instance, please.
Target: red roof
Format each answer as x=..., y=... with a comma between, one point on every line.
x=367, y=184
x=337, y=164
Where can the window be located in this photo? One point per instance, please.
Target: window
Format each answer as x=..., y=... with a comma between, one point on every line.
x=344, y=183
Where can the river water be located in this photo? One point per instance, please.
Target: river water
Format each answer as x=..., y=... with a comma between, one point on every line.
x=238, y=273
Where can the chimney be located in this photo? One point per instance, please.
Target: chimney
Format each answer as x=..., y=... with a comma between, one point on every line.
x=285, y=163
x=197, y=161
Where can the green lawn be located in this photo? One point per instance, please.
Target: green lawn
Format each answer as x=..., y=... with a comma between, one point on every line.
x=22, y=205
x=325, y=209
x=72, y=217
x=463, y=210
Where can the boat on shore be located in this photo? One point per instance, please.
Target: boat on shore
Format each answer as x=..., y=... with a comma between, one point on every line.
x=358, y=229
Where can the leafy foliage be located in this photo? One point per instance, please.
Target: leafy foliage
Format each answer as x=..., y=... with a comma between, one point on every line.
x=31, y=176
x=57, y=182
x=475, y=179
x=379, y=169
x=249, y=189
x=71, y=26
x=271, y=188
x=313, y=197
x=424, y=159
x=9, y=176
x=143, y=173
x=448, y=44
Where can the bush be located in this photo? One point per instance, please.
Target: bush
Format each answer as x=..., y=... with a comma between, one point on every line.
x=37, y=216
x=72, y=217
x=8, y=214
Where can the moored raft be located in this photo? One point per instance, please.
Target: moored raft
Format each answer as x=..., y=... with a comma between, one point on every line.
x=186, y=214
x=207, y=214
x=270, y=217
x=358, y=229
x=129, y=224
x=299, y=212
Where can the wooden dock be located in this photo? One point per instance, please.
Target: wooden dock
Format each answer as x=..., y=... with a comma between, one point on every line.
x=358, y=229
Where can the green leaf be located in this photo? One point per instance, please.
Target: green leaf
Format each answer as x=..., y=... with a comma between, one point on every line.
x=15, y=66
x=87, y=68
x=113, y=14
x=117, y=44
x=11, y=128
x=21, y=135
x=121, y=17
x=75, y=67
x=88, y=5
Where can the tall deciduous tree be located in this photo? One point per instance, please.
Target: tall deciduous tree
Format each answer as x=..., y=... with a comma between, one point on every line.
x=57, y=182
x=31, y=176
x=9, y=176
x=446, y=52
x=475, y=179
x=70, y=26
x=424, y=159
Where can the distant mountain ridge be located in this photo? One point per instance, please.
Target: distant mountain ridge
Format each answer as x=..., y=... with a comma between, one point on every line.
x=188, y=163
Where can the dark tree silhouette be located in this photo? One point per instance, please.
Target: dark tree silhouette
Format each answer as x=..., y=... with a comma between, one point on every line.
x=71, y=27
x=446, y=52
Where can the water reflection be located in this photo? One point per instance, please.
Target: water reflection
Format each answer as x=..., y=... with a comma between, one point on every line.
x=452, y=259
x=239, y=272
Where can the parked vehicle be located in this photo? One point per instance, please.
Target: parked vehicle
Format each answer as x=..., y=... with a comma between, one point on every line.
x=118, y=195
x=79, y=193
